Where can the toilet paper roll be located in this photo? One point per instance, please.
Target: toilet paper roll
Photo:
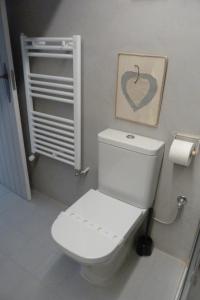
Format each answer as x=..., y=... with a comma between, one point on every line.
x=181, y=152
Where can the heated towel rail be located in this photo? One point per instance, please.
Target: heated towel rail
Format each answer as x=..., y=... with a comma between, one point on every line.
x=53, y=136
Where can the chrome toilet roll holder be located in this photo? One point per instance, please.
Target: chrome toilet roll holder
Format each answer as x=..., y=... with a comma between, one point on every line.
x=189, y=138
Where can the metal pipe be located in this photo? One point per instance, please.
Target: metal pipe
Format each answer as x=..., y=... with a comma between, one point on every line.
x=52, y=147
x=64, y=120
x=49, y=55
x=50, y=91
x=56, y=124
x=51, y=77
x=71, y=134
x=77, y=100
x=57, y=99
x=54, y=141
x=49, y=47
x=57, y=136
x=51, y=84
x=181, y=202
x=54, y=156
x=48, y=39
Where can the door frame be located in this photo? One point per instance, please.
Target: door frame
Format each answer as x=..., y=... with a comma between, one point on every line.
x=14, y=95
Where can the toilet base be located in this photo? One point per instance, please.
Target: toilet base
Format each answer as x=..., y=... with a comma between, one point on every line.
x=103, y=273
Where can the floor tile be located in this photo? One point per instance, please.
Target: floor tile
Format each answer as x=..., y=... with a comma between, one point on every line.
x=35, y=290
x=12, y=278
x=7, y=200
x=33, y=267
x=195, y=288
x=36, y=254
x=12, y=241
x=3, y=190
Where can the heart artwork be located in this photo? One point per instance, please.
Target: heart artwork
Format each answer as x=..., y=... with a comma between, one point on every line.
x=138, y=91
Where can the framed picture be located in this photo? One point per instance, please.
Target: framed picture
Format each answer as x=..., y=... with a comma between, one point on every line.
x=140, y=86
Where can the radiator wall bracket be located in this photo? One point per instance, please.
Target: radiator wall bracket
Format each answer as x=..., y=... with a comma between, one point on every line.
x=83, y=172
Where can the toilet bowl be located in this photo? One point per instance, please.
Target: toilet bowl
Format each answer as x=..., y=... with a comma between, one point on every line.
x=98, y=229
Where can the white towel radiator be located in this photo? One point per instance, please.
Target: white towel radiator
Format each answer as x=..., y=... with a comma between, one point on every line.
x=50, y=135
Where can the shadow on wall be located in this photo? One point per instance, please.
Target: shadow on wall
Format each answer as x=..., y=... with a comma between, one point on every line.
x=34, y=26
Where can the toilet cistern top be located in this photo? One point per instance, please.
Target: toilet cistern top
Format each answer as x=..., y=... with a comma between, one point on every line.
x=131, y=142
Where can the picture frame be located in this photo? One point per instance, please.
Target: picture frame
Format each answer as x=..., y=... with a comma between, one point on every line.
x=140, y=86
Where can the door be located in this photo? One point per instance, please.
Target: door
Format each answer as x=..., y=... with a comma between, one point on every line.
x=13, y=166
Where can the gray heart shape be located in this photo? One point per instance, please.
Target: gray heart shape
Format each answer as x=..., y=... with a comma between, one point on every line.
x=151, y=91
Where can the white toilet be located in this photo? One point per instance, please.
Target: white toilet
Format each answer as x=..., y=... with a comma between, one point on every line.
x=98, y=229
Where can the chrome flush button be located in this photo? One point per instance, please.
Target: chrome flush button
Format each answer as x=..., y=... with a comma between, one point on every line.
x=130, y=136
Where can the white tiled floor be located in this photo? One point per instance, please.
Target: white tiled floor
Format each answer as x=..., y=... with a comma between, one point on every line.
x=33, y=268
x=194, y=293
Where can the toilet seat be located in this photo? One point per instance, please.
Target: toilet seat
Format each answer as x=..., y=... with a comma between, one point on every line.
x=95, y=226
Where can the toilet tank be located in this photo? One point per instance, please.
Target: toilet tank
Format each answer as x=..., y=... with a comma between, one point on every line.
x=129, y=166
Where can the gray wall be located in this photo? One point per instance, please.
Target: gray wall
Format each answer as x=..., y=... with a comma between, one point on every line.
x=170, y=28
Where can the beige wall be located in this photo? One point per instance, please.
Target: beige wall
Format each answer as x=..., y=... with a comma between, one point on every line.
x=170, y=28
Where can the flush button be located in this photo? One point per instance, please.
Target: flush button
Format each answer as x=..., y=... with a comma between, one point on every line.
x=130, y=136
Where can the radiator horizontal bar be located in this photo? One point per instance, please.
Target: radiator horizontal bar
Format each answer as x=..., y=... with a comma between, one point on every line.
x=50, y=91
x=48, y=122
x=67, y=133
x=51, y=84
x=49, y=47
x=54, y=157
x=54, y=148
x=56, y=118
x=54, y=135
x=49, y=55
x=55, y=141
x=58, y=99
x=48, y=39
x=51, y=77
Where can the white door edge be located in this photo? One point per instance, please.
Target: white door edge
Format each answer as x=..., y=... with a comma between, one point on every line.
x=3, y=15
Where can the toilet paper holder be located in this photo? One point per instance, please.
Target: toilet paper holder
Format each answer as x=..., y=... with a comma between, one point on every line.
x=189, y=138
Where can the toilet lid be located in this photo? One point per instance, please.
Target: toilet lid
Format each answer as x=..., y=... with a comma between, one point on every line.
x=94, y=226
